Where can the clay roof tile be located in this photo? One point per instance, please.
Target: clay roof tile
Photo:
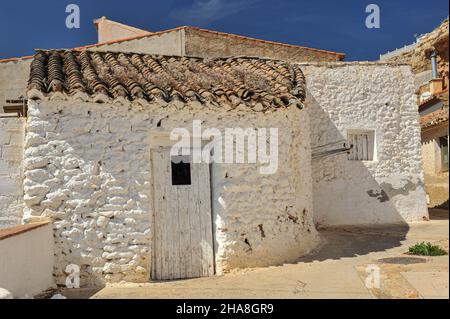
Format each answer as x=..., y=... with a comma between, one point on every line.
x=133, y=76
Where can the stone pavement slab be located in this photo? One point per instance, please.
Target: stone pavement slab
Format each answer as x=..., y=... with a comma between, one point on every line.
x=431, y=285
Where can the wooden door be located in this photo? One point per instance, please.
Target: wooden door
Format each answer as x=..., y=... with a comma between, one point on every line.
x=183, y=233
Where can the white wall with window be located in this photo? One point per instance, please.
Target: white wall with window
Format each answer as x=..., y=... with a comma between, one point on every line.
x=373, y=107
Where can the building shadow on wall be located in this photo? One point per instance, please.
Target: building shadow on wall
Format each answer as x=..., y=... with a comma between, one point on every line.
x=346, y=193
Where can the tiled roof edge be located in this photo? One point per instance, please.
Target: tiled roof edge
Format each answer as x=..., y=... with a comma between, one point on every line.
x=27, y=57
x=434, y=98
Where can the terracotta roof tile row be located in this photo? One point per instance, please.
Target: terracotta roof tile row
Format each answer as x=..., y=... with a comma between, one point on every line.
x=434, y=118
x=105, y=76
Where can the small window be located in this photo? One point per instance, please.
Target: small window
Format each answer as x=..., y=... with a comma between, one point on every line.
x=443, y=146
x=363, y=145
x=181, y=170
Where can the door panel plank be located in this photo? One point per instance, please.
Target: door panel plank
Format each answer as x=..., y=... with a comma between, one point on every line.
x=205, y=216
x=185, y=240
x=195, y=224
x=159, y=214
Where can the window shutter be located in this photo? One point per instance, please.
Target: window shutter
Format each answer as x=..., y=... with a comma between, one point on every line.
x=363, y=146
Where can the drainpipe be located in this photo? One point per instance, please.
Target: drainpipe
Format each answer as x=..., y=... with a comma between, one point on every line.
x=433, y=65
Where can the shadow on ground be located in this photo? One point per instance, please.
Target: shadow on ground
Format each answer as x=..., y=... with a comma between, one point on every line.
x=340, y=243
x=438, y=214
x=443, y=205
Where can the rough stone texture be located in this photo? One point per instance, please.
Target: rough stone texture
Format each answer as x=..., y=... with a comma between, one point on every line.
x=365, y=96
x=436, y=181
x=88, y=168
x=11, y=155
x=437, y=40
x=419, y=58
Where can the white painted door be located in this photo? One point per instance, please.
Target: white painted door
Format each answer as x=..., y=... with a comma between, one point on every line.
x=183, y=240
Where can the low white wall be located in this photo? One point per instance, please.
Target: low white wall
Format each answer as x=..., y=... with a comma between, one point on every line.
x=368, y=96
x=26, y=261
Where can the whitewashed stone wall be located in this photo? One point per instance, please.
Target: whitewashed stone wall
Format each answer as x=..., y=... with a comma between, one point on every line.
x=344, y=96
x=11, y=155
x=87, y=166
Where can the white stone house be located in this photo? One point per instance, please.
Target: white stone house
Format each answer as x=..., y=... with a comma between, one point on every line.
x=96, y=159
x=97, y=162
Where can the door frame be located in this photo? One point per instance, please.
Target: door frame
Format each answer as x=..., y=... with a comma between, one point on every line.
x=160, y=141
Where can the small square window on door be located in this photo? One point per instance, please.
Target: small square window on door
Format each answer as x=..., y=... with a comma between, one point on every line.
x=181, y=170
x=363, y=145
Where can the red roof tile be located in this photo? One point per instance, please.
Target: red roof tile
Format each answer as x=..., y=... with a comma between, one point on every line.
x=132, y=76
x=434, y=118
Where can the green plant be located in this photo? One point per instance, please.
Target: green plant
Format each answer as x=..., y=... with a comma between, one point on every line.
x=426, y=249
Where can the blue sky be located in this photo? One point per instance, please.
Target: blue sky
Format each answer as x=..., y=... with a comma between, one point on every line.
x=325, y=24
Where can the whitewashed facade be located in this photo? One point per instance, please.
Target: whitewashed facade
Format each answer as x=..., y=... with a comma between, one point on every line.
x=384, y=184
x=90, y=167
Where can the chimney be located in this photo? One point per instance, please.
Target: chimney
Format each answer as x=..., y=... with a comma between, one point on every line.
x=433, y=65
x=436, y=83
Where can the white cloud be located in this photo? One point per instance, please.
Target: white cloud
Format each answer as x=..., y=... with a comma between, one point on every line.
x=203, y=12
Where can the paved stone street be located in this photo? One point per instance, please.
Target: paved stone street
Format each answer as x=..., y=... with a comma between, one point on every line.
x=337, y=270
